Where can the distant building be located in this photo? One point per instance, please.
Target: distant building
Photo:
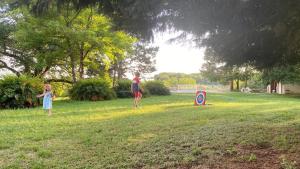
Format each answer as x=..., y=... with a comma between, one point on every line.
x=283, y=88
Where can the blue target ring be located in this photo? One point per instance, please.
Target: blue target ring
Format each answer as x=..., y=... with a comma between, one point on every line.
x=200, y=98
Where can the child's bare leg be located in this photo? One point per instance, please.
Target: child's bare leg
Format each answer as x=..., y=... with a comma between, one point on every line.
x=139, y=99
x=49, y=112
x=134, y=102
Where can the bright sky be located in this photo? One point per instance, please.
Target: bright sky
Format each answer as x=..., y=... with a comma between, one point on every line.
x=175, y=57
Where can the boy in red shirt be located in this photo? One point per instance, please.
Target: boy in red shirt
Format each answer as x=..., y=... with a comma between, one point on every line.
x=136, y=89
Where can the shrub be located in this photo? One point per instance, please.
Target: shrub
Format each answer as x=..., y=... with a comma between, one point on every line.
x=61, y=89
x=157, y=88
x=92, y=89
x=146, y=92
x=19, y=92
x=123, y=89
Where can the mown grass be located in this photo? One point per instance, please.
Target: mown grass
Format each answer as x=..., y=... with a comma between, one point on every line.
x=167, y=132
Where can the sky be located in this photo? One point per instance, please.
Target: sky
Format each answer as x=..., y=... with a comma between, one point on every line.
x=177, y=57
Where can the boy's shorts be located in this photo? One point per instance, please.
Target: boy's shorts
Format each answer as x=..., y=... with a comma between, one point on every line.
x=137, y=94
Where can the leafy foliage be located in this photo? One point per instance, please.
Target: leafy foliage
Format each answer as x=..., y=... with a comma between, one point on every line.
x=237, y=31
x=61, y=45
x=145, y=91
x=19, y=92
x=60, y=89
x=287, y=74
x=174, y=79
x=157, y=88
x=123, y=89
x=72, y=41
x=234, y=32
x=140, y=59
x=93, y=90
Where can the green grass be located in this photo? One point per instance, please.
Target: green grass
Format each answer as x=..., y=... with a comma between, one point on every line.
x=166, y=132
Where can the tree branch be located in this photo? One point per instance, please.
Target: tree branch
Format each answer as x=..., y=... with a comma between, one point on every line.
x=43, y=72
x=5, y=66
x=88, y=51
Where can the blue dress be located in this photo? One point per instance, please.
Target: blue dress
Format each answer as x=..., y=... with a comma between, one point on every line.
x=47, y=101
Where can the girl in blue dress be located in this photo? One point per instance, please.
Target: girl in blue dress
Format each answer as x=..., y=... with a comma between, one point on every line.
x=47, y=100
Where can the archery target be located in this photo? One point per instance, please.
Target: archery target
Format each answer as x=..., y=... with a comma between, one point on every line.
x=200, y=98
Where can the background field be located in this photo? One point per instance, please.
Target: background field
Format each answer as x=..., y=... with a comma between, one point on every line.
x=234, y=131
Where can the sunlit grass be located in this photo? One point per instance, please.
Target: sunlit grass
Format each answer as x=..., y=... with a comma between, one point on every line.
x=165, y=132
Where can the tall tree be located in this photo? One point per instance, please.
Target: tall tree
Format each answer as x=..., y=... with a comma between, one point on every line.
x=264, y=33
x=141, y=59
x=71, y=40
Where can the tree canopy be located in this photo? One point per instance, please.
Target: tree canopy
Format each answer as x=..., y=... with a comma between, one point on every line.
x=67, y=43
x=264, y=33
x=237, y=31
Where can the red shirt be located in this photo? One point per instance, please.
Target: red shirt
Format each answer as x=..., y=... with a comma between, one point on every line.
x=136, y=80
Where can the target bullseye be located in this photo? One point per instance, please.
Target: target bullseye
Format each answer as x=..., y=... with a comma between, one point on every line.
x=200, y=98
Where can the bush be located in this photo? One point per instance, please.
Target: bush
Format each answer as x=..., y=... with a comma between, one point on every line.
x=61, y=89
x=157, y=88
x=146, y=92
x=19, y=92
x=123, y=89
x=93, y=90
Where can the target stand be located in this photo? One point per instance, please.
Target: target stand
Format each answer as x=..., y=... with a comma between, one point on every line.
x=200, y=98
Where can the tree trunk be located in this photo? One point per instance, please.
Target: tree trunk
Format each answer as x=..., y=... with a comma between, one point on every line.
x=114, y=75
x=238, y=84
x=246, y=83
x=120, y=70
x=231, y=85
x=73, y=67
x=81, y=66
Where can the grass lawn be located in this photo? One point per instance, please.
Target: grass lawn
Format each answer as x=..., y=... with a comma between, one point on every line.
x=234, y=131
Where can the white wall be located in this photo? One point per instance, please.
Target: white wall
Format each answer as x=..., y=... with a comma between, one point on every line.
x=291, y=88
x=285, y=88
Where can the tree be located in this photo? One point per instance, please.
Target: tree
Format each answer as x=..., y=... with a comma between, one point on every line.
x=247, y=71
x=286, y=74
x=68, y=42
x=5, y=58
x=214, y=71
x=239, y=31
x=211, y=71
x=174, y=79
x=141, y=59
x=12, y=56
x=137, y=17
x=264, y=33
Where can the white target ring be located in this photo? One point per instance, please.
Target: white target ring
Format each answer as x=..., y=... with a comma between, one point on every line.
x=200, y=98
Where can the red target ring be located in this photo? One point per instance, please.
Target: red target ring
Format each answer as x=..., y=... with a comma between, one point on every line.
x=200, y=98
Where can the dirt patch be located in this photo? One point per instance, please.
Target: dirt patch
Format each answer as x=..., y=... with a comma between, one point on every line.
x=250, y=157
